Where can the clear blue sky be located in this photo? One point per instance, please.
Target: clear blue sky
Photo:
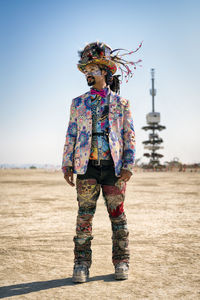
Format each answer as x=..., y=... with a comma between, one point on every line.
x=39, y=77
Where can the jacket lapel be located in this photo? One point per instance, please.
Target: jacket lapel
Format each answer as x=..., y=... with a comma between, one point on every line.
x=112, y=104
x=87, y=104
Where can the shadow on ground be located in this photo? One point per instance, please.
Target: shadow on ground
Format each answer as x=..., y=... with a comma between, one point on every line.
x=30, y=287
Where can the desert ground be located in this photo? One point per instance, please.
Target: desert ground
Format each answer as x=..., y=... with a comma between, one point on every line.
x=38, y=215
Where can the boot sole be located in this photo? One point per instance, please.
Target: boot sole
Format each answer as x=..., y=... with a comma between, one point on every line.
x=78, y=279
x=121, y=276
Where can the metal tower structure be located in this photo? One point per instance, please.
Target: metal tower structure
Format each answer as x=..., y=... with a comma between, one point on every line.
x=154, y=142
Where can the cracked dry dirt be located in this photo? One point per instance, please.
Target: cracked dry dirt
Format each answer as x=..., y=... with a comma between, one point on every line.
x=38, y=215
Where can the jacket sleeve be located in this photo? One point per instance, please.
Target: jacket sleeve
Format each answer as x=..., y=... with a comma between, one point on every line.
x=68, y=153
x=128, y=139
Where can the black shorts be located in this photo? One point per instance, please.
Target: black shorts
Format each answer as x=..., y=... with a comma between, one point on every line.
x=104, y=174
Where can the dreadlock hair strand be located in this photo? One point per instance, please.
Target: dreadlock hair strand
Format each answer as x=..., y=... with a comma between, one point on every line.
x=115, y=86
x=112, y=81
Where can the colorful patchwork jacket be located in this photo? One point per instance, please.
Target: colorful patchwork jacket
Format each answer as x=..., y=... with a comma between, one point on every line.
x=79, y=134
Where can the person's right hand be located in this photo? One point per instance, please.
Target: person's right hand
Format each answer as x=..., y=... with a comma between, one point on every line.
x=69, y=177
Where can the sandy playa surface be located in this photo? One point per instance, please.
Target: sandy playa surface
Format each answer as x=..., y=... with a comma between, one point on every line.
x=38, y=215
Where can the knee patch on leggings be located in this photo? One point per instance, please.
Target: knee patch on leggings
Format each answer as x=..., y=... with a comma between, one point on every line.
x=87, y=192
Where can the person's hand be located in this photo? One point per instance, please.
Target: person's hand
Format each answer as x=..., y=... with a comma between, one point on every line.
x=69, y=177
x=125, y=175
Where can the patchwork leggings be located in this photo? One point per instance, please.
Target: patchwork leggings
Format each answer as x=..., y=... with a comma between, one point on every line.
x=88, y=191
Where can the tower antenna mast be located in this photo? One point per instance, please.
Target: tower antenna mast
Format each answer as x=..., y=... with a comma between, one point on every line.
x=154, y=141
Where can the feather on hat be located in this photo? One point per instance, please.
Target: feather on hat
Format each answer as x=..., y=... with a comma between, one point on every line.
x=101, y=54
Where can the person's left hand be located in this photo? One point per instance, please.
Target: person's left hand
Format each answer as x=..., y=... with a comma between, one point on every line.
x=125, y=175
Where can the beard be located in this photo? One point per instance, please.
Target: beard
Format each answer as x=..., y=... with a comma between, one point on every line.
x=90, y=80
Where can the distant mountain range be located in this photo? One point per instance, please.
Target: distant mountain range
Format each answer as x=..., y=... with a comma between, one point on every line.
x=30, y=166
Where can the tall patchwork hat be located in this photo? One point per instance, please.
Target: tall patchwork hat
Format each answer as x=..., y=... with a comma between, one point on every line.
x=102, y=54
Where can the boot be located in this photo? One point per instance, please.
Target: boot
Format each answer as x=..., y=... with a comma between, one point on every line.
x=80, y=273
x=121, y=271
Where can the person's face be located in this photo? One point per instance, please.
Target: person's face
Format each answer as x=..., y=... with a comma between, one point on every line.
x=93, y=74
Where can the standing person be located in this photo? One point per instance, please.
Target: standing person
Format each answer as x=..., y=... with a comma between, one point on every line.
x=99, y=148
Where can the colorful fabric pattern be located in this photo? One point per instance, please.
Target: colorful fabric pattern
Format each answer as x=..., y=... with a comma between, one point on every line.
x=78, y=141
x=100, y=145
x=88, y=192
